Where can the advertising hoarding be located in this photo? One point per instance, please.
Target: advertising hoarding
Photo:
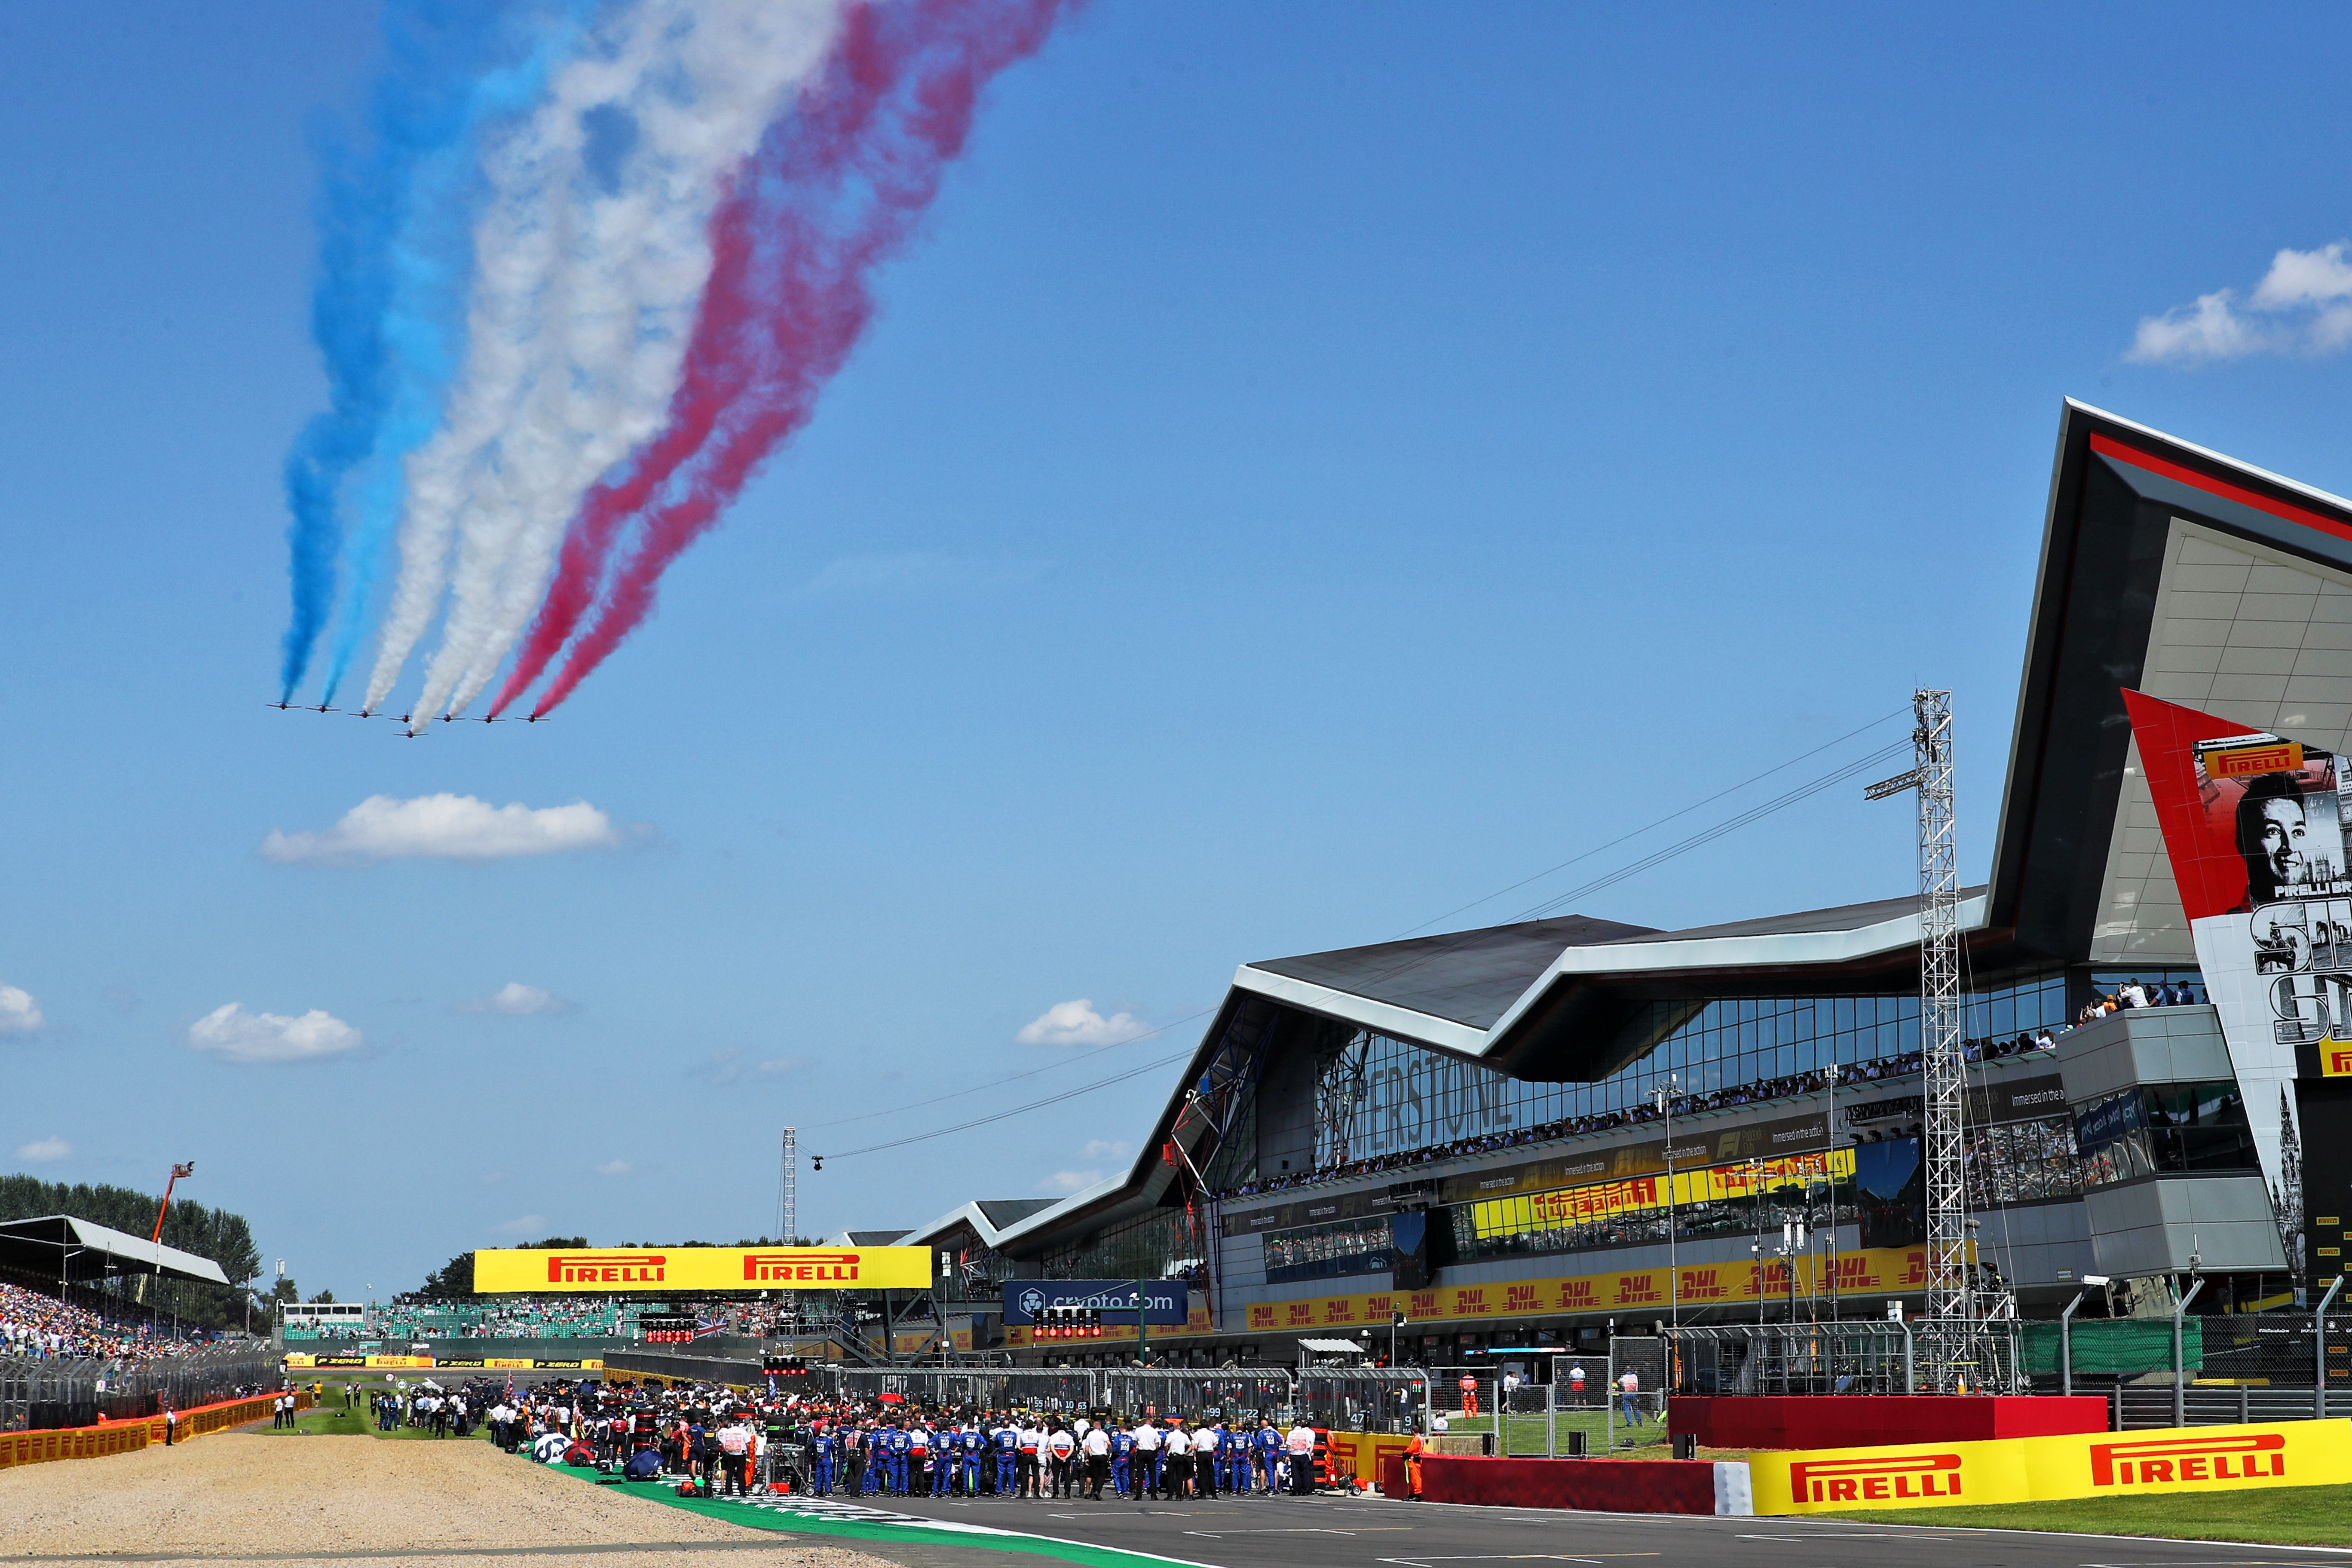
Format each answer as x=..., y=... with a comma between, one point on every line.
x=590, y=1271
x=1167, y=1302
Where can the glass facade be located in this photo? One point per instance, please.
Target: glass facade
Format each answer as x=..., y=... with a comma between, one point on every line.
x=1165, y=1243
x=1399, y=1098
x=1328, y=1251
x=2164, y=1129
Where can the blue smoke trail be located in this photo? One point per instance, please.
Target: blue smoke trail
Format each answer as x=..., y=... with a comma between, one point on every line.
x=388, y=307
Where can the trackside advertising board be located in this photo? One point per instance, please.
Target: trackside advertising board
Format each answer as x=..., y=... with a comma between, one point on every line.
x=1166, y=1302
x=632, y=1269
x=2045, y=1470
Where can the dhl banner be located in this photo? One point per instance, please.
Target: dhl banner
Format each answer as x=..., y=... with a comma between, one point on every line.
x=703, y=1269
x=2044, y=1469
x=1878, y=1270
x=1600, y=1199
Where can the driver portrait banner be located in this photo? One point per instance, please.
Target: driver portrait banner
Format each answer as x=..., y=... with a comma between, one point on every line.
x=572, y=1271
x=2255, y=825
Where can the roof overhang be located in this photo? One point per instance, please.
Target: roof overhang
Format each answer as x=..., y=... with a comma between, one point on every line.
x=60, y=1246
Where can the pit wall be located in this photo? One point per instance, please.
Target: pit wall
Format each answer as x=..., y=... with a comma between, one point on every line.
x=127, y=1437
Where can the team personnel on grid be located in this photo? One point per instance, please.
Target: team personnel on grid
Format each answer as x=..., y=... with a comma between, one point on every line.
x=1147, y=1457
x=1300, y=1443
x=1630, y=1385
x=1096, y=1444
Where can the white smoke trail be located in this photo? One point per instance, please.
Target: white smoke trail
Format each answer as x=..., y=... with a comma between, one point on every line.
x=587, y=286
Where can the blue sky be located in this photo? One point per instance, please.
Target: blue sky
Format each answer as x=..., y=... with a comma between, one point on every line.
x=1306, y=441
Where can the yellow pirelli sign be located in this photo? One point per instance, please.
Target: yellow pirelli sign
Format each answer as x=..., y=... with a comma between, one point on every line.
x=619, y=1270
x=2045, y=1470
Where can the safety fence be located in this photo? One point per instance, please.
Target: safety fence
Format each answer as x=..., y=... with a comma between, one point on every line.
x=98, y=1441
x=42, y=1395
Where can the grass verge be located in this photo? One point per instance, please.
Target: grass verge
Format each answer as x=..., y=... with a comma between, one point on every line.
x=333, y=1420
x=2282, y=1516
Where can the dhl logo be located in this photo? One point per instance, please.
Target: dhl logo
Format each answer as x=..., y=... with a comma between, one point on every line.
x=1472, y=1303
x=2151, y=1459
x=1878, y=1476
x=800, y=1267
x=606, y=1268
x=1302, y=1312
x=1425, y=1304
x=1261, y=1317
x=2245, y=762
x=1701, y=1285
x=1339, y=1309
x=1378, y=1306
x=1575, y=1292
x=1520, y=1298
x=1635, y=1288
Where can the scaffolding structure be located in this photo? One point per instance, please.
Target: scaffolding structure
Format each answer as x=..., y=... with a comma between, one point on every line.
x=788, y=1189
x=1949, y=1361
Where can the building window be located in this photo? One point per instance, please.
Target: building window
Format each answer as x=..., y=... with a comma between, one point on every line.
x=2161, y=1130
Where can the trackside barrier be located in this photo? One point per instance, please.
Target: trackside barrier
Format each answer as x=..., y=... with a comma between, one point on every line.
x=2044, y=1469
x=129, y=1436
x=1364, y=1455
x=1602, y=1486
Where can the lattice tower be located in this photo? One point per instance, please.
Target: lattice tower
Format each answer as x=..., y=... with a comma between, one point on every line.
x=1951, y=1300
x=788, y=1189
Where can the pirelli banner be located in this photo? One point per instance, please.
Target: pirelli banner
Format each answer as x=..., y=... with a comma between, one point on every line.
x=2046, y=1470
x=633, y=1270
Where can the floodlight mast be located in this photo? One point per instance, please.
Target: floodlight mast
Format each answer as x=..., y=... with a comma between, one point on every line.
x=1951, y=1314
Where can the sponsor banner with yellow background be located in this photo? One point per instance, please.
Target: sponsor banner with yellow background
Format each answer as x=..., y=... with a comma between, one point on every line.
x=2046, y=1470
x=1359, y=1454
x=1601, y=1200
x=505, y=1270
x=1860, y=1273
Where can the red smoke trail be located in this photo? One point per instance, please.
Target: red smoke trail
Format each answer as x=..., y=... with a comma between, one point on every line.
x=838, y=185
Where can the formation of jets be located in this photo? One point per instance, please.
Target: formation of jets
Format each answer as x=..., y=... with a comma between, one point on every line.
x=410, y=730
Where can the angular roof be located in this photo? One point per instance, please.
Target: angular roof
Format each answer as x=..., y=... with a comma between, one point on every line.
x=1468, y=977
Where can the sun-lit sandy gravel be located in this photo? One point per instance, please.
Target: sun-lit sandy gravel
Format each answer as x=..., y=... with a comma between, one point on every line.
x=237, y=1493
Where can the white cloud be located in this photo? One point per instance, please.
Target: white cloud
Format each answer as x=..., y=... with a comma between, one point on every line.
x=443, y=827
x=524, y=1225
x=614, y=1168
x=1077, y=1024
x=516, y=1000
x=2302, y=305
x=777, y=1065
x=19, y=1014
x=1104, y=1148
x=235, y=1035
x=1069, y=1181
x=44, y=1150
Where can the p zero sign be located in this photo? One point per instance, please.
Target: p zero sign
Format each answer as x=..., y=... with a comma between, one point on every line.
x=1167, y=1302
x=588, y=1270
x=2041, y=1469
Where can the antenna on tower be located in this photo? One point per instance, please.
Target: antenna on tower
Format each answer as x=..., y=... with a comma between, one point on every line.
x=788, y=1195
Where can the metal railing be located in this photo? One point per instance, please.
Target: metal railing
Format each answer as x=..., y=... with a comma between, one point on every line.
x=1864, y=1355
x=40, y=1394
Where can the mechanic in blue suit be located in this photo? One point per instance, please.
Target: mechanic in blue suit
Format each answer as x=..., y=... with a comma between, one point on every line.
x=900, y=1446
x=822, y=1449
x=1122, y=1451
x=1007, y=1441
x=968, y=1444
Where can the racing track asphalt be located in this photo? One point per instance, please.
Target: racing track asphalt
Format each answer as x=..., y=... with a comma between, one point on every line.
x=1327, y=1531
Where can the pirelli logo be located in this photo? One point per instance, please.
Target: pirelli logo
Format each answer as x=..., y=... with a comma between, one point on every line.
x=801, y=1267
x=606, y=1268
x=2242, y=1456
x=1879, y=1477
x=2245, y=762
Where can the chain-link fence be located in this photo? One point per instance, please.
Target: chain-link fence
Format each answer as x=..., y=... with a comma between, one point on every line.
x=1639, y=1380
x=40, y=1394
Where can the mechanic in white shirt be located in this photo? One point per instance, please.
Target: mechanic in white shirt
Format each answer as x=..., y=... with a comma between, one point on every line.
x=1177, y=1470
x=1096, y=1443
x=1299, y=1442
x=1147, y=1457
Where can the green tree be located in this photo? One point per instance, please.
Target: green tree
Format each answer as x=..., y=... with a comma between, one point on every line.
x=217, y=1234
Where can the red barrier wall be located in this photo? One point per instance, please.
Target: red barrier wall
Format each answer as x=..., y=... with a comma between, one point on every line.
x=1607, y=1486
x=1861, y=1421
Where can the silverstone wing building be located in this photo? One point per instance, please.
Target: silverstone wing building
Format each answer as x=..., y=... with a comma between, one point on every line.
x=1468, y=1128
